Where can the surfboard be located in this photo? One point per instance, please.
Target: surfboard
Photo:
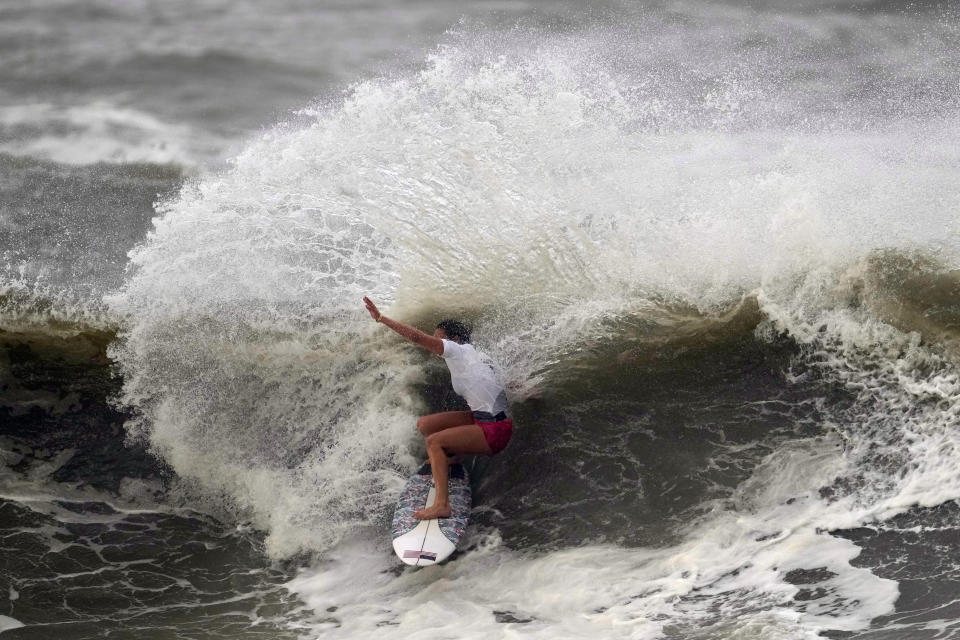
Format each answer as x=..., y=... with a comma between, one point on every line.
x=425, y=542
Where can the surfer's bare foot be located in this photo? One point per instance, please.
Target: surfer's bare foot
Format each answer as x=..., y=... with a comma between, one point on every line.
x=436, y=511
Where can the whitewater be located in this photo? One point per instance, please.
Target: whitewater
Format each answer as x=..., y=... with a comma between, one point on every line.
x=716, y=253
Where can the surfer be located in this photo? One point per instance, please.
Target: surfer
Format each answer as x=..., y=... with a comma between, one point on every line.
x=485, y=429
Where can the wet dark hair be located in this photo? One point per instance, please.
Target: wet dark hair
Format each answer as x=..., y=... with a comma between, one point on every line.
x=455, y=330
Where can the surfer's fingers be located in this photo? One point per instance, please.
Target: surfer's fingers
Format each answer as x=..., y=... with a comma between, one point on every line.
x=372, y=308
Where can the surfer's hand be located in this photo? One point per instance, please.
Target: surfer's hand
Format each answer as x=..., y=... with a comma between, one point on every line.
x=372, y=308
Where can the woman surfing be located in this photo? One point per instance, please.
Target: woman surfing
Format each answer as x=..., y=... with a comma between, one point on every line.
x=485, y=429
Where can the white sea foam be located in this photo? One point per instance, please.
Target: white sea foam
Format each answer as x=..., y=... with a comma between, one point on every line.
x=96, y=132
x=540, y=195
x=727, y=577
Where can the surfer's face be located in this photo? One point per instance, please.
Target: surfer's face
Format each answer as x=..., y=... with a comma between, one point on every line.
x=440, y=333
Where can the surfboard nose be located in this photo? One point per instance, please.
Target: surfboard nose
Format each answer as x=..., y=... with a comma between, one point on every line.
x=426, y=542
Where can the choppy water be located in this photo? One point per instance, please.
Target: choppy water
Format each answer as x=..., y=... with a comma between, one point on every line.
x=714, y=246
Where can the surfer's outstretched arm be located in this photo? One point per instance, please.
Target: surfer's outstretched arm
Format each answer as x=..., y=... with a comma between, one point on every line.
x=412, y=334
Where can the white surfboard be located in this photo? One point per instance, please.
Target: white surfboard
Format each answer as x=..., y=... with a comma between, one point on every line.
x=426, y=542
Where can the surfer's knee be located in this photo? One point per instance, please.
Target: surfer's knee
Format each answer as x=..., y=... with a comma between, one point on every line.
x=433, y=441
x=422, y=425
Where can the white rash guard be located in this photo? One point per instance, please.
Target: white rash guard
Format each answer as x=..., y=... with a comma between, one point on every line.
x=474, y=376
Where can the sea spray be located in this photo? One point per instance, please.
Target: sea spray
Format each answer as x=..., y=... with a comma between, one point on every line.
x=547, y=190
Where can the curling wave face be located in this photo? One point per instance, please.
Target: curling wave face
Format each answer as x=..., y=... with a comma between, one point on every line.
x=727, y=314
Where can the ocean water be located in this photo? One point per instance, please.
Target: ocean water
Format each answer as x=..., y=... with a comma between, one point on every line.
x=714, y=246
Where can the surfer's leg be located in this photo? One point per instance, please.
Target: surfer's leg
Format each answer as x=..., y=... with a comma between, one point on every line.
x=463, y=439
x=430, y=424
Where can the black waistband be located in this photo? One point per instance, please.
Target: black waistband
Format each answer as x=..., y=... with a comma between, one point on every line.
x=483, y=416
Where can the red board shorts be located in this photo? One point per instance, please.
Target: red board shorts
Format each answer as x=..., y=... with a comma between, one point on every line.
x=497, y=434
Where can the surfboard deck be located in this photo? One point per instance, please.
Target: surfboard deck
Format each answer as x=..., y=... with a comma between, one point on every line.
x=425, y=542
